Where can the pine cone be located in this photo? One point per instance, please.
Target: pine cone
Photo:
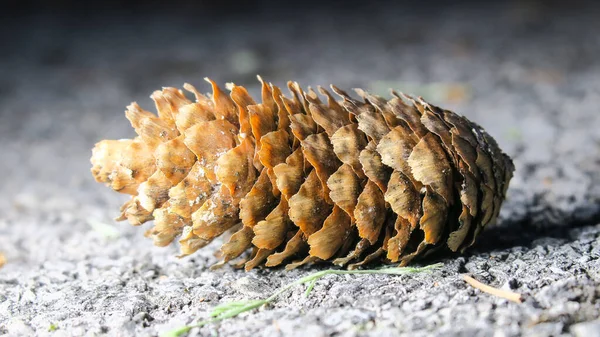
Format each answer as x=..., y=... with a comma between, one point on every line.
x=299, y=179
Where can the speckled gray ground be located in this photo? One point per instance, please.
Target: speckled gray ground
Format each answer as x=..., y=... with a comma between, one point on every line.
x=532, y=78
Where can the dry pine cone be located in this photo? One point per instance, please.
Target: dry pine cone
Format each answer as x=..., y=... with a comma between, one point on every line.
x=297, y=179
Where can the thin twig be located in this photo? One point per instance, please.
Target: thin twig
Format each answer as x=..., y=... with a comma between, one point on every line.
x=509, y=295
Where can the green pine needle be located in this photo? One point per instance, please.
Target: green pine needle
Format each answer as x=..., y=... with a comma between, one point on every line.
x=310, y=287
x=232, y=309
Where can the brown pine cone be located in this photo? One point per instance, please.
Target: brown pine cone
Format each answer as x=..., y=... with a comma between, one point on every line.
x=296, y=179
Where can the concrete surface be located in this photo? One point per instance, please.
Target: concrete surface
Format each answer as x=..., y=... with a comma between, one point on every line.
x=529, y=75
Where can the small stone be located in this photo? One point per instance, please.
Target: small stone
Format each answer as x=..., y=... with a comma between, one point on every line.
x=17, y=327
x=586, y=329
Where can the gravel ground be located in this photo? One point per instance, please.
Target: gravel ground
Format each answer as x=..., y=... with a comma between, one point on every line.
x=530, y=75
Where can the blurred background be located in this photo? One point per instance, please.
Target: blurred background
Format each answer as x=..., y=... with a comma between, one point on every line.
x=522, y=69
x=528, y=71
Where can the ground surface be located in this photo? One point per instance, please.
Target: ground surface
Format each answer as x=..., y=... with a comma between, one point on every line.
x=530, y=76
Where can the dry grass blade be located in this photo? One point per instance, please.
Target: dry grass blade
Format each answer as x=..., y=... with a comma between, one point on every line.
x=2, y=260
x=509, y=295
